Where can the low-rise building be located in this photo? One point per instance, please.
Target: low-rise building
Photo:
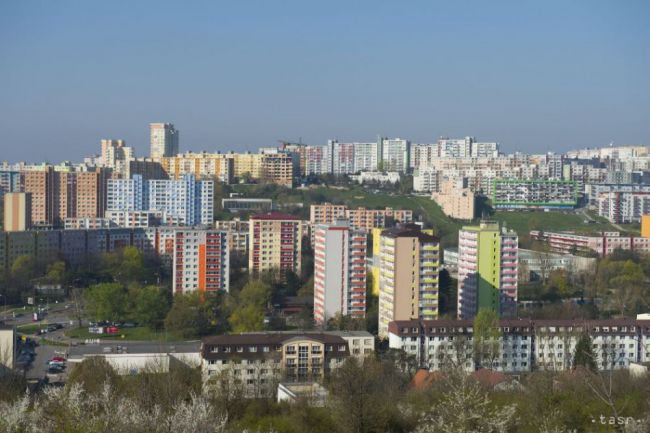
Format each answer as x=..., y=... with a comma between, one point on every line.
x=534, y=194
x=603, y=243
x=524, y=345
x=257, y=362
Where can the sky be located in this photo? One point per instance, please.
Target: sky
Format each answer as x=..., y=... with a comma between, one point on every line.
x=535, y=76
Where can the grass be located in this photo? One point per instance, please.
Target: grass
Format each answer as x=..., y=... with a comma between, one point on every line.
x=30, y=328
x=141, y=333
x=447, y=229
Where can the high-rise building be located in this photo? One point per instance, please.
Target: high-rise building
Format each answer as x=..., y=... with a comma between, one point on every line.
x=408, y=275
x=9, y=181
x=201, y=261
x=317, y=160
x=339, y=271
x=17, y=211
x=359, y=218
x=396, y=154
x=455, y=147
x=365, y=157
x=275, y=243
x=278, y=169
x=39, y=181
x=422, y=155
x=183, y=201
x=487, y=269
x=203, y=165
x=164, y=140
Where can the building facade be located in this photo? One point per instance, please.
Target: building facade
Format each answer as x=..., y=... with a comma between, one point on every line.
x=275, y=243
x=408, y=275
x=201, y=261
x=487, y=270
x=163, y=140
x=339, y=271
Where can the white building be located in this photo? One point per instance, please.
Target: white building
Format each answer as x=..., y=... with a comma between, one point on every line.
x=395, y=154
x=184, y=201
x=426, y=180
x=164, y=140
x=201, y=261
x=339, y=271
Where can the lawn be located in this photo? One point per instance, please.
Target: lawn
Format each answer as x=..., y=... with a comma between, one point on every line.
x=31, y=328
x=520, y=221
x=140, y=333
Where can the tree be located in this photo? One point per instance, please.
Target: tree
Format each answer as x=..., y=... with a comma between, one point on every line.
x=584, y=354
x=487, y=338
x=107, y=301
x=92, y=374
x=189, y=316
x=55, y=272
x=249, y=306
x=363, y=395
x=559, y=281
x=23, y=270
x=150, y=305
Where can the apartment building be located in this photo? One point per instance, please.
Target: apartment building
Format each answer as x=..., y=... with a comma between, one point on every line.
x=133, y=218
x=360, y=218
x=317, y=160
x=164, y=140
x=408, y=275
x=339, y=271
x=422, y=155
x=17, y=211
x=9, y=182
x=183, y=201
x=487, y=270
x=365, y=156
x=395, y=154
x=534, y=194
x=426, y=180
x=257, y=362
x=238, y=234
x=201, y=261
x=623, y=207
x=525, y=345
x=455, y=199
x=246, y=164
x=603, y=243
x=275, y=243
x=277, y=169
x=39, y=182
x=202, y=165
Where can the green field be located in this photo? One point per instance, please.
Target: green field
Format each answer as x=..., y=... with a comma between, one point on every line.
x=139, y=333
x=520, y=221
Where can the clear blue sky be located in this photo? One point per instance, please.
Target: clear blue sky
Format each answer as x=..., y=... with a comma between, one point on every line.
x=534, y=75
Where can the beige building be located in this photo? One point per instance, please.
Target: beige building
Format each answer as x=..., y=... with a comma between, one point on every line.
x=17, y=211
x=202, y=165
x=455, y=200
x=277, y=169
x=360, y=218
x=238, y=234
x=408, y=275
x=39, y=181
x=258, y=361
x=246, y=164
x=275, y=243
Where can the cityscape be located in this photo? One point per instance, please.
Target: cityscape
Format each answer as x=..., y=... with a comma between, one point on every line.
x=374, y=283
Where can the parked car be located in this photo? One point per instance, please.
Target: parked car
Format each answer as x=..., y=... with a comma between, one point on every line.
x=52, y=362
x=58, y=359
x=55, y=369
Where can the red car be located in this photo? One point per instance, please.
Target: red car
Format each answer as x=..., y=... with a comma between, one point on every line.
x=112, y=330
x=58, y=359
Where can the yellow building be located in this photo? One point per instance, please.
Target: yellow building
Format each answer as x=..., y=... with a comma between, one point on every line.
x=645, y=226
x=408, y=276
x=202, y=165
x=17, y=211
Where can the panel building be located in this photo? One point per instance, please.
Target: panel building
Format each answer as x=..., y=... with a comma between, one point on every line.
x=339, y=271
x=487, y=269
x=163, y=140
x=408, y=275
x=275, y=243
x=17, y=211
x=201, y=261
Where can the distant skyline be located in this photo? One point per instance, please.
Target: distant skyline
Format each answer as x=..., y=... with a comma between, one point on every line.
x=534, y=76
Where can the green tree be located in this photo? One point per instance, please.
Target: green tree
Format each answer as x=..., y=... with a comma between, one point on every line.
x=249, y=307
x=150, y=305
x=190, y=316
x=92, y=374
x=584, y=354
x=487, y=338
x=23, y=270
x=107, y=301
x=55, y=272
